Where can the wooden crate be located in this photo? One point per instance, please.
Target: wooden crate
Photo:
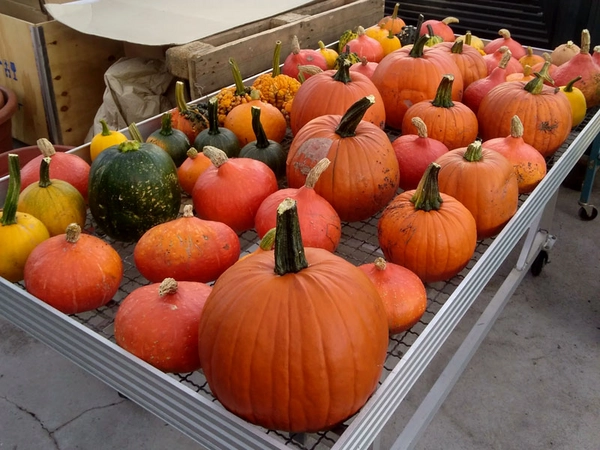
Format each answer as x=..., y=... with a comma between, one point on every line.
x=204, y=63
x=56, y=72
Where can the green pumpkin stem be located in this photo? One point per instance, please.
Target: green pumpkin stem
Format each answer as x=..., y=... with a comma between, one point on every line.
x=268, y=240
x=457, y=47
x=420, y=20
x=73, y=233
x=134, y=131
x=105, y=130
x=536, y=85
x=276, y=58
x=569, y=86
x=240, y=89
x=474, y=152
x=45, y=172
x=468, y=37
x=289, y=251
x=213, y=116
x=166, y=127
x=350, y=120
x=129, y=146
x=395, y=11
x=417, y=50
x=427, y=195
x=9, y=213
x=179, y=98
x=343, y=72
x=262, y=141
x=443, y=96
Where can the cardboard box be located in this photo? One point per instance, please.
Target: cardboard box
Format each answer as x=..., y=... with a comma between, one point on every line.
x=56, y=72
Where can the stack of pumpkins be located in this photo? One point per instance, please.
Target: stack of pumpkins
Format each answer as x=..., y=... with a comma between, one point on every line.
x=292, y=336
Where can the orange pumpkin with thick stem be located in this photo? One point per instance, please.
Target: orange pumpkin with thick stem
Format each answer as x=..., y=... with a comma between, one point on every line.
x=73, y=272
x=484, y=181
x=428, y=232
x=468, y=59
x=363, y=175
x=392, y=22
x=186, y=249
x=452, y=123
x=402, y=292
x=158, y=323
x=545, y=113
x=319, y=223
x=412, y=74
x=528, y=163
x=286, y=335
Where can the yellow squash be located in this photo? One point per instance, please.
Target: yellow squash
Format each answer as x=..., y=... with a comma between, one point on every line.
x=106, y=138
x=577, y=101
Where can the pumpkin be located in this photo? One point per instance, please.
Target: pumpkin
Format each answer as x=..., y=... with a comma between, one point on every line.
x=428, y=232
x=190, y=170
x=378, y=32
x=133, y=187
x=576, y=99
x=582, y=65
x=414, y=153
x=390, y=43
x=492, y=60
x=158, y=323
x=365, y=67
x=468, y=59
x=451, y=123
x=55, y=202
x=392, y=22
x=344, y=38
x=189, y=119
x=526, y=75
x=171, y=140
x=440, y=28
x=216, y=136
x=402, y=292
x=20, y=233
x=186, y=249
x=596, y=54
x=232, y=189
x=529, y=165
x=550, y=68
x=410, y=33
x=333, y=92
x=262, y=148
x=472, y=41
x=564, y=52
x=239, y=120
x=530, y=58
x=366, y=46
x=286, y=335
x=363, y=175
x=484, y=181
x=232, y=96
x=267, y=242
x=73, y=272
x=300, y=57
x=106, y=138
x=544, y=111
x=65, y=166
x=410, y=75
x=330, y=55
x=319, y=223
x=434, y=39
x=505, y=39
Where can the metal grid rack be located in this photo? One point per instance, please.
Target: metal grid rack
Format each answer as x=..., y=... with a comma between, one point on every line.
x=185, y=401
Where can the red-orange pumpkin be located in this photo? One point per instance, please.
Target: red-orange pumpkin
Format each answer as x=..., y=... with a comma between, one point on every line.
x=468, y=59
x=440, y=28
x=286, y=335
x=365, y=46
x=301, y=57
x=363, y=175
x=493, y=59
x=158, y=323
x=505, y=39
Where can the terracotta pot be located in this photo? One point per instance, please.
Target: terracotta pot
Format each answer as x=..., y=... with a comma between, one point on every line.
x=8, y=107
x=26, y=154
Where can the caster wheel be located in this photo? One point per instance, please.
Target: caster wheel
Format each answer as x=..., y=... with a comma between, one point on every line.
x=588, y=213
x=538, y=264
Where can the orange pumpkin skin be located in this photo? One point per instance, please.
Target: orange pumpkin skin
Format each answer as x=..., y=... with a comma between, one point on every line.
x=487, y=187
x=283, y=352
x=239, y=120
x=468, y=59
x=434, y=244
x=73, y=277
x=546, y=116
x=403, y=294
x=191, y=169
x=163, y=330
x=186, y=249
x=363, y=176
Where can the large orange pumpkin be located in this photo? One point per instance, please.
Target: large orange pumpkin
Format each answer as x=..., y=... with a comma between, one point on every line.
x=363, y=175
x=293, y=339
x=428, y=232
x=468, y=59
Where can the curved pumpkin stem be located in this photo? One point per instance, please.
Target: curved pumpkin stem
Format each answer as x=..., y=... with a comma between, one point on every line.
x=417, y=50
x=427, y=195
x=289, y=251
x=420, y=126
x=73, y=233
x=474, y=153
x=240, y=89
x=350, y=120
x=569, y=86
x=443, y=96
x=167, y=287
x=217, y=156
x=9, y=213
x=450, y=19
x=46, y=147
x=45, y=172
x=262, y=141
x=105, y=130
x=268, y=240
x=179, y=98
x=315, y=173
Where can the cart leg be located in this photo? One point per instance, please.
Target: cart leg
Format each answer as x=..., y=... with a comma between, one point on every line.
x=587, y=211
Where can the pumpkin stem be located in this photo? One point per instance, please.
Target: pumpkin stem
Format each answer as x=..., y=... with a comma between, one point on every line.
x=420, y=20
x=457, y=47
x=380, y=263
x=506, y=55
x=46, y=147
x=350, y=120
x=504, y=33
x=395, y=11
x=166, y=128
x=262, y=141
x=315, y=173
x=420, y=126
x=105, y=130
x=309, y=69
x=295, y=45
x=474, y=152
x=276, y=58
x=343, y=72
x=516, y=127
x=289, y=251
x=217, y=156
x=134, y=131
x=129, y=146
x=188, y=211
x=443, y=96
x=417, y=50
x=9, y=213
x=427, y=195
x=468, y=37
x=73, y=233
x=268, y=240
x=192, y=153
x=536, y=85
x=585, y=42
x=167, y=287
x=240, y=89
x=449, y=20
x=45, y=172
x=569, y=86
x=179, y=98
x=213, y=116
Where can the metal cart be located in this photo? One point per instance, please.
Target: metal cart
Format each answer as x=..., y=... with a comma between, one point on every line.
x=184, y=400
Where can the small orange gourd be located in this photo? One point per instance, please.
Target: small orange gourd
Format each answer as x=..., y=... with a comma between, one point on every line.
x=191, y=169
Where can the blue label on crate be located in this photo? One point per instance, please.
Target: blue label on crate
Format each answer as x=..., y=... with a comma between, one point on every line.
x=10, y=69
